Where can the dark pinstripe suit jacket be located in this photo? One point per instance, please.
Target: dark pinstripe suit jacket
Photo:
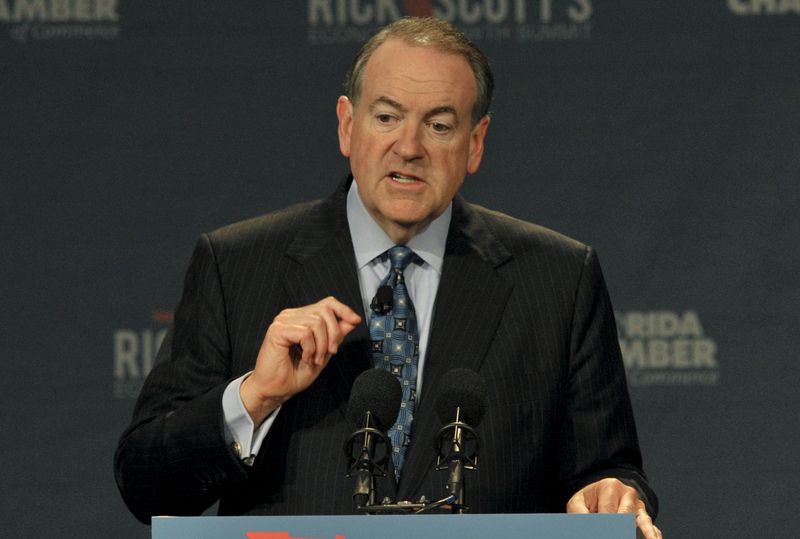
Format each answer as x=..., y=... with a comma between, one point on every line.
x=524, y=306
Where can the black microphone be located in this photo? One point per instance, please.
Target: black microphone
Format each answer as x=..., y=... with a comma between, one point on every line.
x=383, y=300
x=462, y=395
x=373, y=407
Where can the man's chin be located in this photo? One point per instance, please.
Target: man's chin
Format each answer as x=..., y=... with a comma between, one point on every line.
x=402, y=222
x=409, y=216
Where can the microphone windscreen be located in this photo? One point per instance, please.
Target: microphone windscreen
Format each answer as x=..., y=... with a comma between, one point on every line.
x=376, y=391
x=462, y=388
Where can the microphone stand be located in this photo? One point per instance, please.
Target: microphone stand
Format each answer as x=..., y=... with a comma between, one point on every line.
x=457, y=444
x=457, y=454
x=365, y=467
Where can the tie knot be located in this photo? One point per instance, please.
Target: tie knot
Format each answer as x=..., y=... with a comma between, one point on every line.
x=400, y=256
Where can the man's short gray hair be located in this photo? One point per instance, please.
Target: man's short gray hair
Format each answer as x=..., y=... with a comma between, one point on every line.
x=428, y=32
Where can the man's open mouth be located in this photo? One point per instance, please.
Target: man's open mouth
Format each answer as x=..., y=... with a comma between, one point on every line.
x=403, y=178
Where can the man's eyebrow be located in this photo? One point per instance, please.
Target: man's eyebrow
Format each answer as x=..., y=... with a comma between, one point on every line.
x=386, y=101
x=443, y=109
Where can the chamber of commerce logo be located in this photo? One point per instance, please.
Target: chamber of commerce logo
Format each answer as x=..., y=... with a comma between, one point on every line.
x=342, y=21
x=135, y=351
x=764, y=7
x=35, y=20
x=667, y=348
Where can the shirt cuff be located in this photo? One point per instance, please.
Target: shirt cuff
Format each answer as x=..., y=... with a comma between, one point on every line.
x=240, y=432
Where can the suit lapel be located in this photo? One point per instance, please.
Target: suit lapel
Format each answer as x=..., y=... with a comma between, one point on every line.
x=323, y=252
x=469, y=305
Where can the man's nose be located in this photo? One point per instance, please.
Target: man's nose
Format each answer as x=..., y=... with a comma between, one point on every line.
x=409, y=144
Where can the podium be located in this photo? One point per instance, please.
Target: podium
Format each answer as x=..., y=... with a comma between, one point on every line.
x=494, y=526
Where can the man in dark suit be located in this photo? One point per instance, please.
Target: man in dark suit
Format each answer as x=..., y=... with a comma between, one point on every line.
x=258, y=420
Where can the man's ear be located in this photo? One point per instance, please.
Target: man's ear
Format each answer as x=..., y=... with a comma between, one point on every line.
x=344, y=110
x=476, y=138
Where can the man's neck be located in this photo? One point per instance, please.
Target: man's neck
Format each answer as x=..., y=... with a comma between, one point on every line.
x=370, y=239
x=399, y=234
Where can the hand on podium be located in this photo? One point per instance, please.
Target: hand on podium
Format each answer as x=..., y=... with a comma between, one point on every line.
x=613, y=496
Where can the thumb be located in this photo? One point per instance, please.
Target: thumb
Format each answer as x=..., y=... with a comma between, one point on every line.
x=346, y=326
x=578, y=503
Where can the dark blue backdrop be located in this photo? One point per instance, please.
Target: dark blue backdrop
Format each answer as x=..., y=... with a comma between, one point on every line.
x=664, y=133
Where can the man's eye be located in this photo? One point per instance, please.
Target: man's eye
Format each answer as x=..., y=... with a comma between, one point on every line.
x=384, y=118
x=439, y=127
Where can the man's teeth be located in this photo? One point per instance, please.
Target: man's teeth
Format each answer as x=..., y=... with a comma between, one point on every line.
x=403, y=178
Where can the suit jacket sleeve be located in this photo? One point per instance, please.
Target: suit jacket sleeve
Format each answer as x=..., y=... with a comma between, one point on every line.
x=173, y=458
x=599, y=432
x=528, y=309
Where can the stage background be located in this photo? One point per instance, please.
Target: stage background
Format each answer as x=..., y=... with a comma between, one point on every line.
x=663, y=133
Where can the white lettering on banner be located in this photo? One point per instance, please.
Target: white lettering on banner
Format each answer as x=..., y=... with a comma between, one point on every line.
x=660, y=324
x=471, y=11
x=332, y=21
x=552, y=32
x=134, y=355
x=71, y=31
x=59, y=10
x=358, y=12
x=660, y=353
x=673, y=378
x=764, y=7
x=580, y=11
x=134, y=352
x=663, y=344
x=60, y=19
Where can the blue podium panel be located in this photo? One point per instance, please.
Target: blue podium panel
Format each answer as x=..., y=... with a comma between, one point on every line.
x=538, y=526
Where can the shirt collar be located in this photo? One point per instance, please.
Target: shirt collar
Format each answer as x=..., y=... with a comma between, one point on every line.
x=370, y=241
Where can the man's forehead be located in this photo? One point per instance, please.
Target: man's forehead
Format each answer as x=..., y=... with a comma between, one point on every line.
x=397, y=48
x=399, y=68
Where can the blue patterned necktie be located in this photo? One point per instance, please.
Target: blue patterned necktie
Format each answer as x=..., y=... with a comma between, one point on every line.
x=395, y=347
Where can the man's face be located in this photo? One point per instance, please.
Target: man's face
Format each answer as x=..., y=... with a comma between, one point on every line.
x=410, y=139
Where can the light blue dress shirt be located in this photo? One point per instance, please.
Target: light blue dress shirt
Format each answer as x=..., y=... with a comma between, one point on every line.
x=369, y=243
